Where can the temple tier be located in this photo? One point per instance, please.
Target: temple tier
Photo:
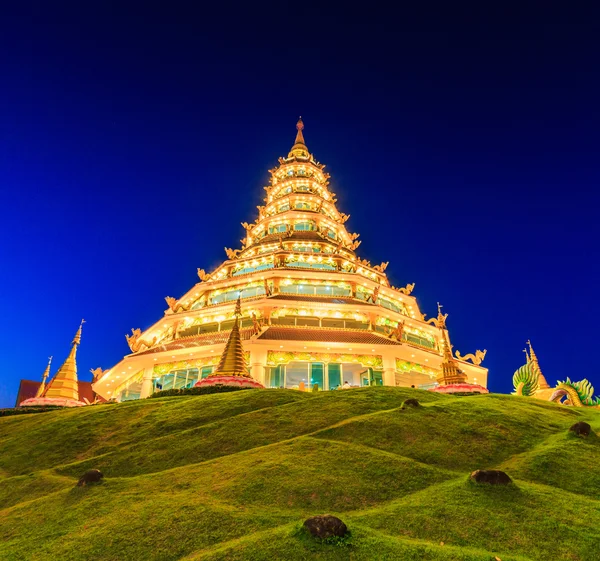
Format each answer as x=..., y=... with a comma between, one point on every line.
x=312, y=314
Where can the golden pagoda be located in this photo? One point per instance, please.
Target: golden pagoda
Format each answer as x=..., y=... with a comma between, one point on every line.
x=42, y=388
x=232, y=369
x=310, y=313
x=63, y=389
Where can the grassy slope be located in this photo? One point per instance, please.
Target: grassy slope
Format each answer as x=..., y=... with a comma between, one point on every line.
x=233, y=476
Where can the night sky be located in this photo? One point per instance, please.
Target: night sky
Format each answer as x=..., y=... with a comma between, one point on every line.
x=129, y=155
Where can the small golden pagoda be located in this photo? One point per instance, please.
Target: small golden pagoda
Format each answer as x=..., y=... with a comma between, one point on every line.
x=232, y=369
x=309, y=311
x=42, y=387
x=451, y=378
x=63, y=389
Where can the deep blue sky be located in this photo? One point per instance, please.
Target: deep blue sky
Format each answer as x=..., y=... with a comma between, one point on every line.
x=129, y=155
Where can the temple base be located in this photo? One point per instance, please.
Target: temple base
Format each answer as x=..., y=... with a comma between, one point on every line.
x=459, y=388
x=232, y=381
x=51, y=401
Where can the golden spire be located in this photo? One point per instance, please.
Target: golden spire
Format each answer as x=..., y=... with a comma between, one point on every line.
x=542, y=383
x=64, y=384
x=232, y=362
x=299, y=148
x=451, y=373
x=42, y=386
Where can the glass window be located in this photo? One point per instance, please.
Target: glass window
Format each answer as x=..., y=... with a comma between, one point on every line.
x=206, y=370
x=276, y=377
x=304, y=226
x=277, y=228
x=334, y=373
x=296, y=373
x=316, y=375
x=192, y=377
x=353, y=374
x=302, y=206
x=284, y=207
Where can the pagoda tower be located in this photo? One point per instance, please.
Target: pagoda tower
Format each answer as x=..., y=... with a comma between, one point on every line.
x=310, y=313
x=63, y=389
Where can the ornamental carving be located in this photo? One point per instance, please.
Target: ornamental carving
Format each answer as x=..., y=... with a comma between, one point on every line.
x=171, y=302
x=135, y=342
x=202, y=275
x=381, y=268
x=407, y=366
x=97, y=373
x=476, y=358
x=232, y=253
x=275, y=358
x=407, y=289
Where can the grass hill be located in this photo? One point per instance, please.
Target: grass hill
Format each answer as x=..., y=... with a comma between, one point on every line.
x=233, y=476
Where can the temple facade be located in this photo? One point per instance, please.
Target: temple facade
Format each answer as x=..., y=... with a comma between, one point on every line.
x=312, y=316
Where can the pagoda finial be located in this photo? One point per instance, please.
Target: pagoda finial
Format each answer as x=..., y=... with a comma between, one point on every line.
x=299, y=135
x=441, y=317
x=77, y=338
x=542, y=383
x=64, y=384
x=299, y=148
x=238, y=308
x=42, y=386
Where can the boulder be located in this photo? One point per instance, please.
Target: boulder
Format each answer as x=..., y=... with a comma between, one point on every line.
x=581, y=429
x=491, y=476
x=410, y=402
x=325, y=526
x=90, y=476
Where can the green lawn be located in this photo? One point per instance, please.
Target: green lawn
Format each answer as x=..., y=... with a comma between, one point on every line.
x=233, y=476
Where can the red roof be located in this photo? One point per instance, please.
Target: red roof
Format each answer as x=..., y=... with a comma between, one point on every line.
x=216, y=338
x=28, y=389
x=326, y=335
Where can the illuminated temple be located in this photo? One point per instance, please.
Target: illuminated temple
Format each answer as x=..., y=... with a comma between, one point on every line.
x=313, y=315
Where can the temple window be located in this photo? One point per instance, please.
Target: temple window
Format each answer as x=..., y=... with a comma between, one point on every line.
x=278, y=228
x=284, y=207
x=198, y=329
x=303, y=189
x=315, y=290
x=302, y=206
x=304, y=375
x=305, y=226
x=394, y=306
x=331, y=234
x=231, y=295
x=178, y=379
x=249, y=269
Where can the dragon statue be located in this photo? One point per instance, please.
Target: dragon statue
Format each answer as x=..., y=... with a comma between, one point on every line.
x=476, y=358
x=381, y=268
x=407, y=289
x=529, y=381
x=171, y=302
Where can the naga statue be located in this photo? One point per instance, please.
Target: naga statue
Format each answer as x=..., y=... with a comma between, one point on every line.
x=476, y=358
x=436, y=321
x=381, y=268
x=232, y=253
x=407, y=289
x=134, y=341
x=529, y=381
x=97, y=373
x=354, y=245
x=202, y=275
x=171, y=302
x=344, y=217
